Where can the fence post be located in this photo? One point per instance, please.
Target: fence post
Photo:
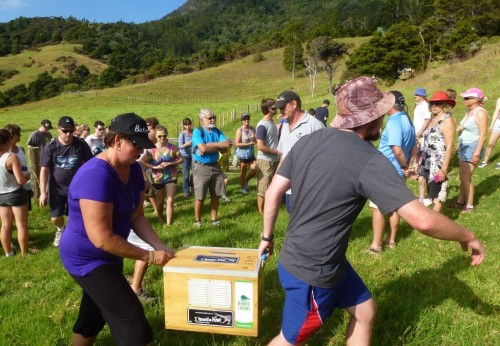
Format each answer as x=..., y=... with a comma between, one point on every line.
x=34, y=168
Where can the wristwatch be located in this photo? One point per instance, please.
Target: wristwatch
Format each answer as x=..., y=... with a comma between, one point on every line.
x=268, y=239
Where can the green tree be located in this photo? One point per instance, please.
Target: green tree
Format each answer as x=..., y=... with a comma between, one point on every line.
x=293, y=57
x=384, y=55
x=109, y=77
x=329, y=52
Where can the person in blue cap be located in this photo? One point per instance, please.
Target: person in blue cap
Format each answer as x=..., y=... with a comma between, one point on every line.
x=421, y=119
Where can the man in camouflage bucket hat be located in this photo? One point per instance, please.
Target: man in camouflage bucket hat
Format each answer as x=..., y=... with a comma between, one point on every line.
x=343, y=170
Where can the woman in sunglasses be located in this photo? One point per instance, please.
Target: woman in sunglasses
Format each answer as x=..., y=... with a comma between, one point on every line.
x=473, y=128
x=105, y=202
x=163, y=161
x=437, y=148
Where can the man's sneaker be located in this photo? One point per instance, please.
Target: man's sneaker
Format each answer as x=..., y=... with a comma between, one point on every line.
x=225, y=199
x=482, y=164
x=144, y=296
x=244, y=191
x=197, y=224
x=497, y=166
x=187, y=194
x=57, y=239
x=215, y=222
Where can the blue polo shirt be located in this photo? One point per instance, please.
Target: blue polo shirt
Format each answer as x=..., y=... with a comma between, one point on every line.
x=209, y=136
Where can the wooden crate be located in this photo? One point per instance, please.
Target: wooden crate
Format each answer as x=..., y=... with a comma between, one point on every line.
x=213, y=290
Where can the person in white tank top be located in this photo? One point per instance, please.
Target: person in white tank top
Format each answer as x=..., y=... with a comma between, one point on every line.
x=13, y=198
x=473, y=128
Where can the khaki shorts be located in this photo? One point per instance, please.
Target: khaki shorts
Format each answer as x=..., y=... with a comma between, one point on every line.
x=265, y=173
x=207, y=177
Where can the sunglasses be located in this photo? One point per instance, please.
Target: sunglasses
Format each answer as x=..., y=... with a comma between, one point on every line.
x=468, y=98
x=134, y=143
x=437, y=104
x=213, y=117
x=161, y=136
x=67, y=131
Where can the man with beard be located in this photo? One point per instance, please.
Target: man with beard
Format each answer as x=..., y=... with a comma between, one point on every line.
x=208, y=141
x=343, y=170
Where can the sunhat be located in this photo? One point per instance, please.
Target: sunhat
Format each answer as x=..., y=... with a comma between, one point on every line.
x=440, y=96
x=420, y=92
x=473, y=92
x=359, y=102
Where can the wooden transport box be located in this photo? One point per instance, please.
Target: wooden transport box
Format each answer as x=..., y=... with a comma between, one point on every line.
x=213, y=290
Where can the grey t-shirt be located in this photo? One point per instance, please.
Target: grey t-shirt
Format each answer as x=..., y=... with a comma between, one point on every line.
x=39, y=139
x=268, y=132
x=333, y=172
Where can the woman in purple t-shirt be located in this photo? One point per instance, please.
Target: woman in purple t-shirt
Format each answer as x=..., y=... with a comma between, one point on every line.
x=105, y=202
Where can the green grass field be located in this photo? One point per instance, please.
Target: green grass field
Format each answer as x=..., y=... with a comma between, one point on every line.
x=427, y=292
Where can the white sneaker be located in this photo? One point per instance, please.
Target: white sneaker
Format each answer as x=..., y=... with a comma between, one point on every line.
x=57, y=239
x=225, y=199
x=482, y=164
x=244, y=191
x=427, y=202
x=497, y=166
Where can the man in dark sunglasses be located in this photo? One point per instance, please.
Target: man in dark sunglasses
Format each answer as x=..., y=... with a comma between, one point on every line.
x=96, y=140
x=60, y=160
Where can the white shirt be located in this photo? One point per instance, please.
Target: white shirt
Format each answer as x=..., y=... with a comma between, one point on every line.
x=420, y=115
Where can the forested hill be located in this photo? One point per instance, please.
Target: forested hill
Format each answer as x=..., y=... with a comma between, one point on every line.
x=206, y=33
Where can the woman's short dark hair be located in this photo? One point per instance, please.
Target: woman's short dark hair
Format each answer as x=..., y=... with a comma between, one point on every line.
x=186, y=121
x=13, y=129
x=109, y=138
x=4, y=136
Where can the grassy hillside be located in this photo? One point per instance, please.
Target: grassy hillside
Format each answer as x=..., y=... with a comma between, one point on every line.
x=239, y=86
x=51, y=59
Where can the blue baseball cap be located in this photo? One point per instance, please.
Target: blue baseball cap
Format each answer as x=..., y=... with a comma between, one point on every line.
x=420, y=92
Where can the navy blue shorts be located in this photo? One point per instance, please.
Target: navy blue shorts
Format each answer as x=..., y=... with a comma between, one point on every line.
x=307, y=307
x=58, y=205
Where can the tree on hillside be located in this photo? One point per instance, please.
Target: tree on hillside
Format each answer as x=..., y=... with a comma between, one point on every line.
x=329, y=52
x=293, y=56
x=384, y=55
x=109, y=77
x=313, y=58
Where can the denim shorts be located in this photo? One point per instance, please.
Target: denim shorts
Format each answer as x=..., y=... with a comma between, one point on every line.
x=466, y=151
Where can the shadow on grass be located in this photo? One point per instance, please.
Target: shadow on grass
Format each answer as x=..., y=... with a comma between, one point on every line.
x=402, y=300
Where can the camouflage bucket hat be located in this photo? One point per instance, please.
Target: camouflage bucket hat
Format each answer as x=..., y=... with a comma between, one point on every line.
x=359, y=102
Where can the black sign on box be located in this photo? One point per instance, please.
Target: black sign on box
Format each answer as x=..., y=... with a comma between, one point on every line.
x=216, y=259
x=214, y=318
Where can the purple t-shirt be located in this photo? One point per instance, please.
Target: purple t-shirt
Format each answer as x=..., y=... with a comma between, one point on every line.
x=96, y=180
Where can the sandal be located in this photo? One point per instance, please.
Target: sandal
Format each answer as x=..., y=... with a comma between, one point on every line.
x=389, y=245
x=374, y=251
x=457, y=204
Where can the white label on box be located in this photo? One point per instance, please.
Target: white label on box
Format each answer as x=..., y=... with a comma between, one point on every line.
x=244, y=302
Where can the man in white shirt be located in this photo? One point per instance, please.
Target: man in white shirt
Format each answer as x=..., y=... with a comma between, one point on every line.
x=96, y=140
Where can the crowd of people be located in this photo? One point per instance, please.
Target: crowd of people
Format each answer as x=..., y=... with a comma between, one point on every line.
x=103, y=180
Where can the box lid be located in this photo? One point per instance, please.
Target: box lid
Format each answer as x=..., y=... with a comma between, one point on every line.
x=216, y=261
